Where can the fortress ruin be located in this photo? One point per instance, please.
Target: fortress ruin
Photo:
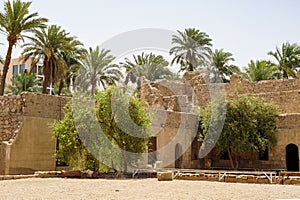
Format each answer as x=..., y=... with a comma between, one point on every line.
x=27, y=144
x=178, y=98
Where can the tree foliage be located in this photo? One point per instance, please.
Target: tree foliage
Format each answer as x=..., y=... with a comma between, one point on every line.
x=192, y=50
x=220, y=67
x=287, y=58
x=117, y=113
x=149, y=66
x=51, y=45
x=261, y=70
x=97, y=70
x=249, y=127
x=14, y=22
x=23, y=82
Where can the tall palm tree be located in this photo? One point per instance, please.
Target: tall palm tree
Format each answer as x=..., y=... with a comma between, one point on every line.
x=192, y=50
x=220, y=67
x=149, y=66
x=51, y=45
x=288, y=59
x=261, y=70
x=72, y=60
x=97, y=70
x=14, y=22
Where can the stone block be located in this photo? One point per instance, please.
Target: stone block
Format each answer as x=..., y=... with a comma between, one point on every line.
x=242, y=179
x=165, y=176
x=48, y=174
x=295, y=181
x=287, y=182
x=231, y=179
x=70, y=174
x=212, y=178
x=251, y=179
x=262, y=179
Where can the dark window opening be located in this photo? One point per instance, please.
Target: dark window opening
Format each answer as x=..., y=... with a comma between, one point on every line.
x=22, y=68
x=34, y=71
x=292, y=157
x=224, y=156
x=40, y=70
x=15, y=69
x=195, y=148
x=264, y=155
x=152, y=148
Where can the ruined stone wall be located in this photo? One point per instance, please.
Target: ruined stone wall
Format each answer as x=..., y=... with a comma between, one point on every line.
x=11, y=114
x=13, y=108
x=284, y=93
x=44, y=106
x=184, y=96
x=27, y=143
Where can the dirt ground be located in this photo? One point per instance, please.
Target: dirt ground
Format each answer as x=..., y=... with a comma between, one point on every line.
x=58, y=188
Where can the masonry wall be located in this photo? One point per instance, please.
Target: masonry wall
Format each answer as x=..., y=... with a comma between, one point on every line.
x=11, y=115
x=185, y=96
x=27, y=144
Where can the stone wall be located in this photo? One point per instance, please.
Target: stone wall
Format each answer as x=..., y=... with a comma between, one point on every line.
x=179, y=97
x=27, y=143
x=11, y=114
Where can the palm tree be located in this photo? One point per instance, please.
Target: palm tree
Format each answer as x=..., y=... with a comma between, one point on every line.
x=72, y=61
x=51, y=45
x=261, y=70
x=23, y=82
x=97, y=70
x=193, y=49
x=14, y=22
x=220, y=66
x=288, y=59
x=149, y=66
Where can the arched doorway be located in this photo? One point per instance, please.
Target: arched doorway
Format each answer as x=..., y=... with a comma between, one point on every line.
x=292, y=157
x=178, y=156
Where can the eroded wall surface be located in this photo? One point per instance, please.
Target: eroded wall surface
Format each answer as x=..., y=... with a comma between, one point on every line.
x=178, y=97
x=27, y=143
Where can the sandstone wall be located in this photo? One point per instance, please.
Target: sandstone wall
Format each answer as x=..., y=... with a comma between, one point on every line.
x=27, y=144
x=184, y=96
x=11, y=114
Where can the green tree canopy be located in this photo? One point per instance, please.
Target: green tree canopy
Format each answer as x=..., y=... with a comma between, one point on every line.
x=23, y=82
x=261, y=70
x=97, y=70
x=149, y=66
x=249, y=127
x=51, y=45
x=14, y=22
x=192, y=50
x=115, y=111
x=220, y=67
x=287, y=58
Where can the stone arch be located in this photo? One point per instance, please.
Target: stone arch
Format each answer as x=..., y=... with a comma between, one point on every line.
x=292, y=157
x=178, y=156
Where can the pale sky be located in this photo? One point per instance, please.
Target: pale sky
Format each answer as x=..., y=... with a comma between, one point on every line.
x=247, y=29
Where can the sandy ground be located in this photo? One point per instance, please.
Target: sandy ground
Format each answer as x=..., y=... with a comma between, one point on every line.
x=58, y=188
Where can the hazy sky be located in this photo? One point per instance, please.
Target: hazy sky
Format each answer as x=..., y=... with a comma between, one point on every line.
x=248, y=29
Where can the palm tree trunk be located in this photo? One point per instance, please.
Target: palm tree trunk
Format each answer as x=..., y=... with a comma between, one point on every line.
x=6, y=67
x=93, y=90
x=47, y=75
x=61, y=85
x=191, y=67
